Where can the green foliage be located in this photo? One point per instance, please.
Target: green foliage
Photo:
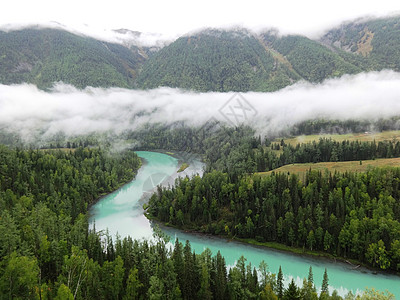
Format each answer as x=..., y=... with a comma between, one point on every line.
x=215, y=60
x=49, y=253
x=44, y=196
x=133, y=285
x=237, y=150
x=64, y=293
x=325, y=284
x=45, y=56
x=210, y=61
x=325, y=150
x=279, y=283
x=372, y=294
x=341, y=214
x=383, y=52
x=20, y=277
x=311, y=60
x=292, y=292
x=222, y=147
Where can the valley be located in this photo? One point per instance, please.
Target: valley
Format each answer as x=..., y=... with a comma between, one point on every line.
x=109, y=209
x=232, y=162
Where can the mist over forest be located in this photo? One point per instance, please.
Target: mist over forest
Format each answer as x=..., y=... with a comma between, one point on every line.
x=37, y=115
x=280, y=139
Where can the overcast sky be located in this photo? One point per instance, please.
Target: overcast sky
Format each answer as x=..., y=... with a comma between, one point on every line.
x=175, y=17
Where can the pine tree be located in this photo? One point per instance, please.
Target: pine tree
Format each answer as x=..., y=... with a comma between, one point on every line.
x=292, y=292
x=310, y=276
x=133, y=285
x=220, y=276
x=204, y=292
x=279, y=284
x=177, y=257
x=325, y=285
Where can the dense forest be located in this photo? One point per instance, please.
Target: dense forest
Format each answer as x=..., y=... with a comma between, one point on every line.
x=209, y=60
x=216, y=61
x=237, y=151
x=323, y=213
x=321, y=126
x=347, y=215
x=375, y=40
x=45, y=56
x=48, y=252
x=44, y=196
x=311, y=60
x=325, y=150
x=212, y=60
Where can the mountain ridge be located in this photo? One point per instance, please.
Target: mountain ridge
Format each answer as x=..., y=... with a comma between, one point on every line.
x=207, y=60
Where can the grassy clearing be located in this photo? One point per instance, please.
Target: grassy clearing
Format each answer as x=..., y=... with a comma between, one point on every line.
x=341, y=166
x=183, y=167
x=370, y=136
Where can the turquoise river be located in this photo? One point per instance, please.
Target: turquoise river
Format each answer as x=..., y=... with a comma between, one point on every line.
x=121, y=212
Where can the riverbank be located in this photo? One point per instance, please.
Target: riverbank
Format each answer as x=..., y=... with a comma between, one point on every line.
x=319, y=256
x=184, y=158
x=142, y=162
x=121, y=213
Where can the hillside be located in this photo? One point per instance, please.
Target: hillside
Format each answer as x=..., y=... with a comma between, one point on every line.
x=311, y=60
x=377, y=40
x=215, y=60
x=340, y=166
x=209, y=60
x=44, y=56
x=389, y=135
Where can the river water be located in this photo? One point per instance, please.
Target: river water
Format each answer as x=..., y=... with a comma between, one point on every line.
x=121, y=212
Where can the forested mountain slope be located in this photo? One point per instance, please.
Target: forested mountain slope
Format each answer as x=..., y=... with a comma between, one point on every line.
x=209, y=60
x=310, y=60
x=215, y=60
x=44, y=56
x=377, y=40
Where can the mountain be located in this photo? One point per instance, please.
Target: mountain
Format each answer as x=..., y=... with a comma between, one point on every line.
x=209, y=60
x=376, y=40
x=216, y=60
x=309, y=59
x=45, y=56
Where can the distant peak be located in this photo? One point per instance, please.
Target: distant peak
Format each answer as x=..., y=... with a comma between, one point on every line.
x=238, y=32
x=127, y=31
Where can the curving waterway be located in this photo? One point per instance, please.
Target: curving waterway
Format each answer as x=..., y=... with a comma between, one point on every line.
x=121, y=212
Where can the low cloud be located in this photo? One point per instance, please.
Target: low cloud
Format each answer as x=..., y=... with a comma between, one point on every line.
x=117, y=36
x=37, y=115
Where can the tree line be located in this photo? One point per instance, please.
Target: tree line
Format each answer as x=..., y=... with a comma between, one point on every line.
x=343, y=127
x=237, y=151
x=324, y=150
x=48, y=252
x=44, y=199
x=348, y=215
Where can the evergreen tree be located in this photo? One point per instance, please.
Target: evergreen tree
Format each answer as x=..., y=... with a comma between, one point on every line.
x=292, y=292
x=177, y=257
x=325, y=285
x=310, y=278
x=279, y=284
x=133, y=285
